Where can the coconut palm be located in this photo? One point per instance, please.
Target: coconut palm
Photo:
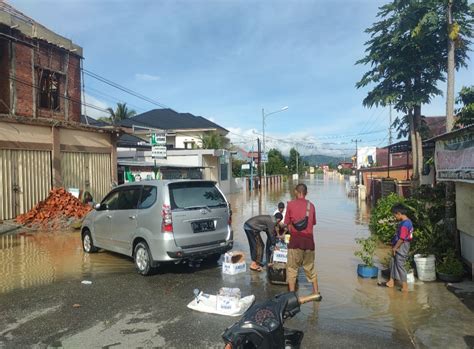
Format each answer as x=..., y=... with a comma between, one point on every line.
x=120, y=113
x=214, y=140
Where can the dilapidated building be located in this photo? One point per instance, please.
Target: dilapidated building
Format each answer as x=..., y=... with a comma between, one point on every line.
x=42, y=143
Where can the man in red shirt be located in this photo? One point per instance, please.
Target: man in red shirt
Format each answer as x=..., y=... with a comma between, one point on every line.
x=301, y=246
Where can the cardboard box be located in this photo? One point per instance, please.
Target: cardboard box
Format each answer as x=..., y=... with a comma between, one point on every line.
x=234, y=263
x=228, y=300
x=280, y=256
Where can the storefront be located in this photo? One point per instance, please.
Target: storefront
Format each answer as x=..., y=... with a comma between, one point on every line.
x=454, y=161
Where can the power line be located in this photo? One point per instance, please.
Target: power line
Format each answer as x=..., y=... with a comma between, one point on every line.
x=111, y=98
x=125, y=89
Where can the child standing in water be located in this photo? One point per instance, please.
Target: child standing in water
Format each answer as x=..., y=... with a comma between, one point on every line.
x=400, y=248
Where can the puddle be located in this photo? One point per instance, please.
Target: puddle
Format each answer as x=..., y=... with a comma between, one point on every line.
x=34, y=259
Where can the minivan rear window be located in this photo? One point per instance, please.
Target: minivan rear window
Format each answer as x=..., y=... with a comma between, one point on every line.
x=195, y=195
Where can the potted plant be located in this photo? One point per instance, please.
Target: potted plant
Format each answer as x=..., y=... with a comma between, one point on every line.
x=450, y=269
x=366, y=254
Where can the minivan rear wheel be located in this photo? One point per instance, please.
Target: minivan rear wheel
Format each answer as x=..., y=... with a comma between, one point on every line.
x=142, y=258
x=87, y=244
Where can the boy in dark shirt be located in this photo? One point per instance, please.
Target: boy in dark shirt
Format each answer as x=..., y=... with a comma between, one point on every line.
x=400, y=248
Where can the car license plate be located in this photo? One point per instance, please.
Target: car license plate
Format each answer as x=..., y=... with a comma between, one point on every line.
x=202, y=226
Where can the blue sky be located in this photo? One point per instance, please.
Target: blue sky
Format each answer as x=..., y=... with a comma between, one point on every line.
x=226, y=60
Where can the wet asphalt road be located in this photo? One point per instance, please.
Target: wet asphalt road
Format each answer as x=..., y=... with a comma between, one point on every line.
x=44, y=304
x=128, y=310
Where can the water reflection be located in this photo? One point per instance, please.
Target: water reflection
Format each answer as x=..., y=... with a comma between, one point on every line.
x=28, y=260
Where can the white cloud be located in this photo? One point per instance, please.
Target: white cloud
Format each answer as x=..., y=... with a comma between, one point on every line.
x=147, y=77
x=304, y=142
x=94, y=102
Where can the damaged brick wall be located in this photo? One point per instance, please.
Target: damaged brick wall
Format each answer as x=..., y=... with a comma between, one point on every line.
x=4, y=81
x=38, y=67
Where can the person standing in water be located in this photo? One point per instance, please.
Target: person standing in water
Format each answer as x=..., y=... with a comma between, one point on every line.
x=400, y=248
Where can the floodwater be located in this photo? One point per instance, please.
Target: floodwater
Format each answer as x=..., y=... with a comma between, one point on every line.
x=419, y=318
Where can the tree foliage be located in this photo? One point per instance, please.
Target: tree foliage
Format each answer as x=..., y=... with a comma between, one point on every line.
x=407, y=51
x=407, y=54
x=120, y=113
x=276, y=163
x=295, y=158
x=214, y=140
x=466, y=112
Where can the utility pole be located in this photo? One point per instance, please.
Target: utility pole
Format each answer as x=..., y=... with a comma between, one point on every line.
x=263, y=141
x=297, y=168
x=450, y=213
x=390, y=125
x=356, y=141
x=251, y=169
x=259, y=149
x=450, y=72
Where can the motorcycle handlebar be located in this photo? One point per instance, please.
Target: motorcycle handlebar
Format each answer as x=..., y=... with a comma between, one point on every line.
x=306, y=299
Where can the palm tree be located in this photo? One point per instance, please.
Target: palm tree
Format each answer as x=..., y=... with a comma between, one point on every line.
x=214, y=140
x=121, y=112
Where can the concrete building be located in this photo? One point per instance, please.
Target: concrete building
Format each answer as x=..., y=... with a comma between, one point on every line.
x=454, y=161
x=42, y=143
x=185, y=157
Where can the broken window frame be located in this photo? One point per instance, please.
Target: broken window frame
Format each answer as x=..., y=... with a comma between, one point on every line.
x=49, y=90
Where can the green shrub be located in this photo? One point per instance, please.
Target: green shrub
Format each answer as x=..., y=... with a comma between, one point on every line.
x=367, y=251
x=450, y=265
x=425, y=211
x=382, y=222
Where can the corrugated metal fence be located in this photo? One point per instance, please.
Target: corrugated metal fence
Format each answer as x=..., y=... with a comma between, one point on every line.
x=26, y=177
x=87, y=171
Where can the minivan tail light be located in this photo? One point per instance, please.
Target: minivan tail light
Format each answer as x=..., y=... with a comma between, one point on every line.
x=167, y=219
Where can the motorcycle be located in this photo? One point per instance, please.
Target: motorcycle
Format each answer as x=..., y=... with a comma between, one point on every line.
x=262, y=324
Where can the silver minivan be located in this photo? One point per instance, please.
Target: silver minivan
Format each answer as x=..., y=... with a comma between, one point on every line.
x=161, y=221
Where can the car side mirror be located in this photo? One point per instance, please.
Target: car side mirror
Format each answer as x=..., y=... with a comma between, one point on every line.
x=101, y=207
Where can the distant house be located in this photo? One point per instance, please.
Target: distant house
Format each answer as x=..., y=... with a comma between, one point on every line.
x=185, y=157
x=346, y=165
x=183, y=130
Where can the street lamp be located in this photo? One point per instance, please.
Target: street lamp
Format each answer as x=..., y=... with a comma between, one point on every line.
x=264, y=116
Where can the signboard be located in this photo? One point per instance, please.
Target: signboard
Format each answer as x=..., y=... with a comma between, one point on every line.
x=158, y=152
x=158, y=139
x=245, y=166
x=158, y=145
x=264, y=157
x=454, y=159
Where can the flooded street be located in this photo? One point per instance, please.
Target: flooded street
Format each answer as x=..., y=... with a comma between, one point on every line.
x=41, y=274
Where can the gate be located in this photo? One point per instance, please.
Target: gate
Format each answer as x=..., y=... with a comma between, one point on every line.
x=90, y=172
x=25, y=179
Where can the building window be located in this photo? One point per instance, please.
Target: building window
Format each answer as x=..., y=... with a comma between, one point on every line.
x=224, y=172
x=49, y=90
x=189, y=144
